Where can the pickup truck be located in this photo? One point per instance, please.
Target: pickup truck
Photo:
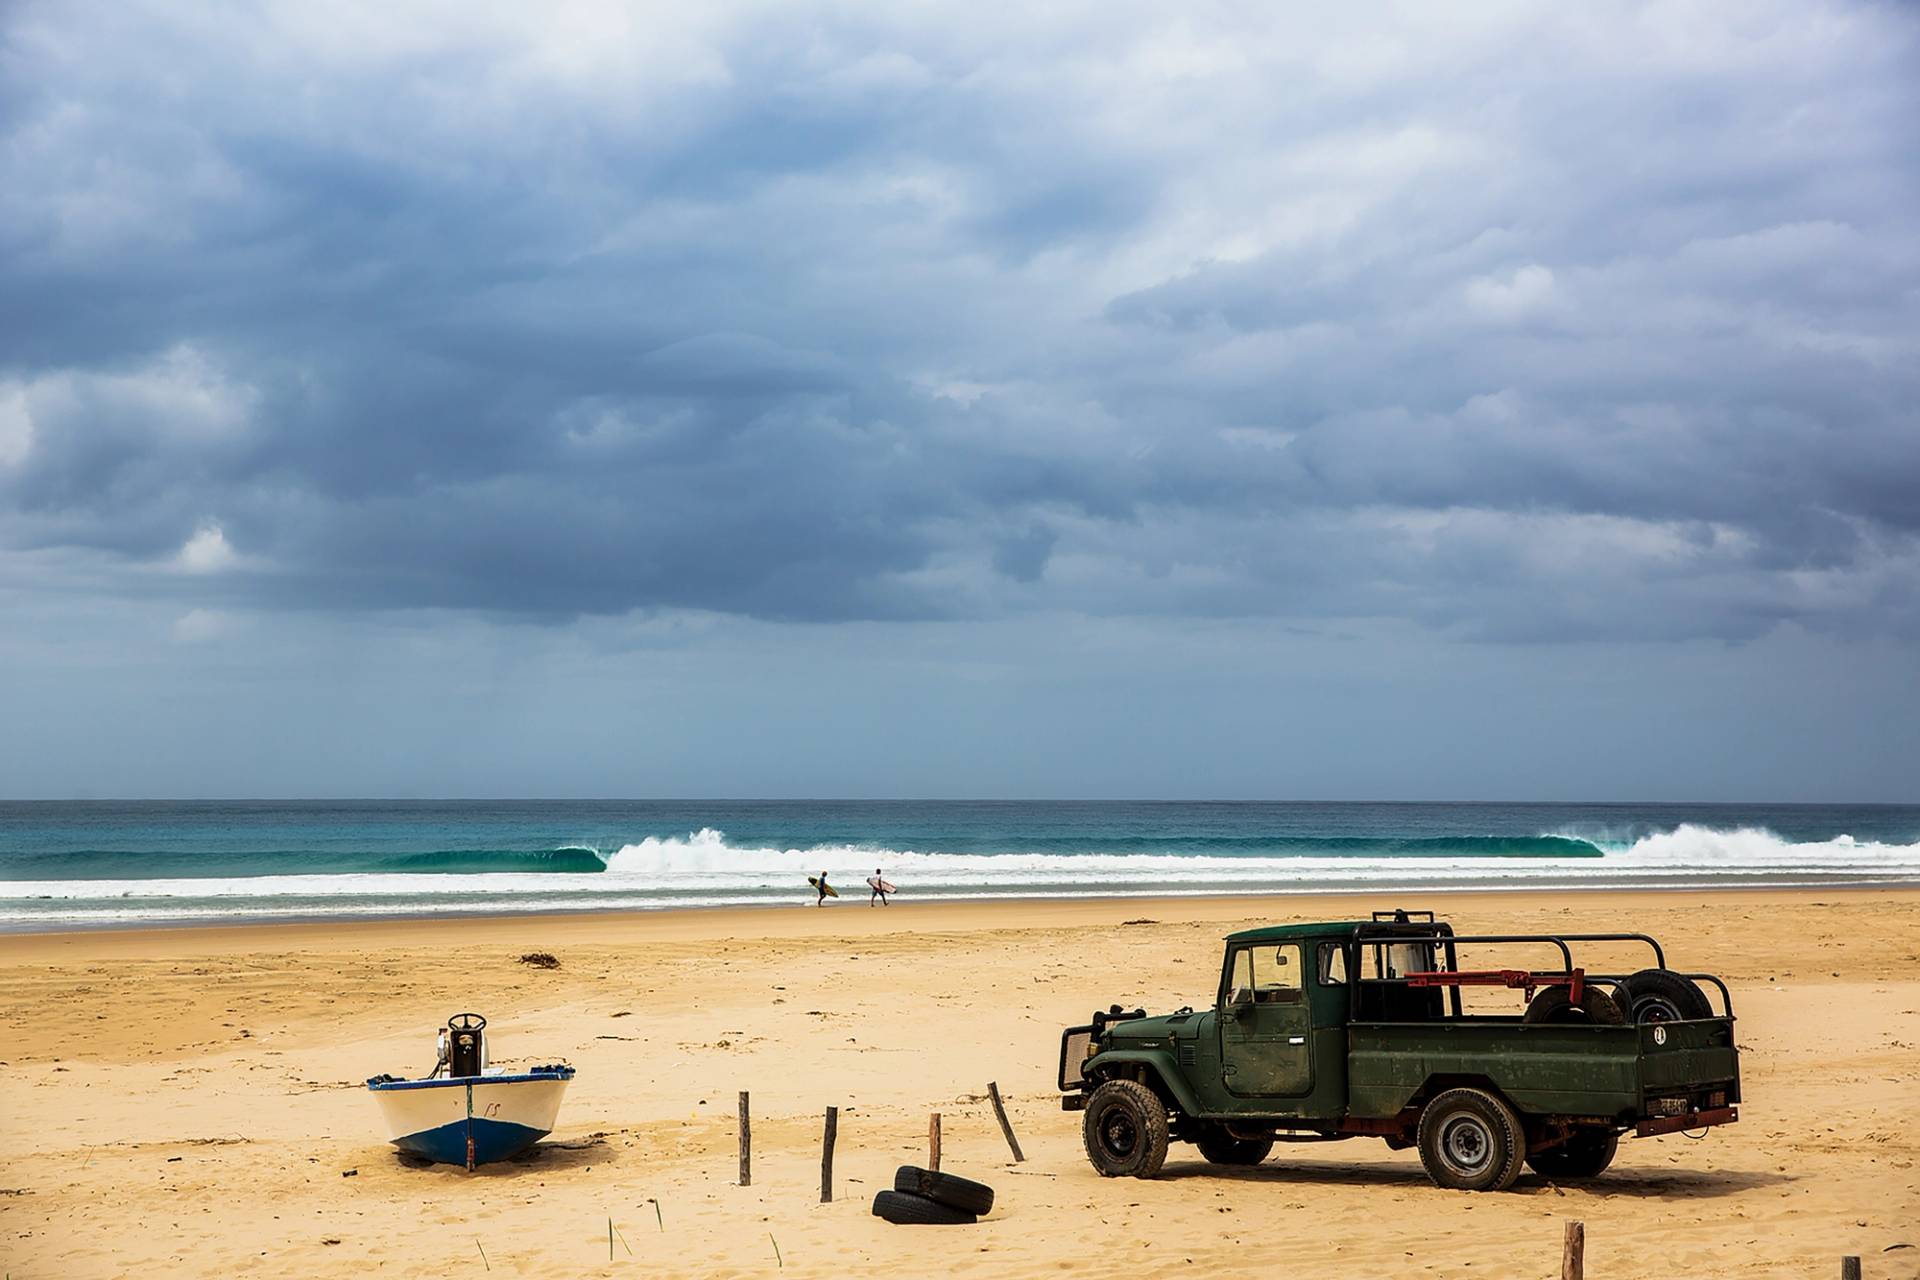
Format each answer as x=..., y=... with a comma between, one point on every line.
x=1322, y=1032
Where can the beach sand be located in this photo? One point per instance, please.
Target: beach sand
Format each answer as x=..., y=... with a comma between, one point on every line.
x=190, y=1102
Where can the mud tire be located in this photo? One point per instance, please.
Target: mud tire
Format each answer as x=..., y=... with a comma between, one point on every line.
x=944, y=1188
x=1585, y=1155
x=1471, y=1141
x=1596, y=1008
x=1217, y=1146
x=1661, y=995
x=1125, y=1130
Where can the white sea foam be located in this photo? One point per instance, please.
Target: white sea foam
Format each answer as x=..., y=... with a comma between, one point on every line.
x=703, y=869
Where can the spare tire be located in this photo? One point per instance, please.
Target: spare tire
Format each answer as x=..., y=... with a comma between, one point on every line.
x=911, y=1210
x=1596, y=1007
x=1661, y=995
x=944, y=1188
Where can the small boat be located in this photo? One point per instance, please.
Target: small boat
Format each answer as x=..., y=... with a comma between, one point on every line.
x=472, y=1114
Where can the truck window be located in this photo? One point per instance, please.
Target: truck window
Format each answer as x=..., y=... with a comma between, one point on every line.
x=1397, y=960
x=1409, y=957
x=1333, y=964
x=1265, y=975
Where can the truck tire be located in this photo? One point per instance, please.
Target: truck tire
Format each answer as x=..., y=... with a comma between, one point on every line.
x=1218, y=1146
x=1661, y=995
x=1471, y=1141
x=1585, y=1155
x=1596, y=1007
x=1125, y=1130
x=898, y=1206
x=944, y=1188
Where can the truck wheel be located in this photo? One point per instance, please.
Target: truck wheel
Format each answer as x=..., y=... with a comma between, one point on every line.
x=1596, y=1007
x=1585, y=1155
x=1125, y=1130
x=1661, y=995
x=1471, y=1141
x=1220, y=1147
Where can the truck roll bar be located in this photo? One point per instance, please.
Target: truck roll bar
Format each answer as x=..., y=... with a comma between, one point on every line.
x=1560, y=940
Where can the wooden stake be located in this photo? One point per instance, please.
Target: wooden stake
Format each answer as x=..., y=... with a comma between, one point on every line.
x=746, y=1143
x=933, y=1142
x=1000, y=1110
x=1573, y=1261
x=826, y=1155
x=1849, y=1268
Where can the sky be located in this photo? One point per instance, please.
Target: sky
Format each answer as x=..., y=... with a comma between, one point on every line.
x=1503, y=401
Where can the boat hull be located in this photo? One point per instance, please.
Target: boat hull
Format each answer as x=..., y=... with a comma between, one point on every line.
x=471, y=1120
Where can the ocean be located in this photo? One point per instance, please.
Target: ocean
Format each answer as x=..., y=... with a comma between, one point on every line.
x=82, y=863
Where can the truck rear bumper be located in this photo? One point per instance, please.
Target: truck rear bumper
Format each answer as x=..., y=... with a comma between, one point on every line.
x=1692, y=1120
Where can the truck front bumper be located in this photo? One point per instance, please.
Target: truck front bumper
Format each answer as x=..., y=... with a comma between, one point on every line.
x=1691, y=1120
x=1073, y=1102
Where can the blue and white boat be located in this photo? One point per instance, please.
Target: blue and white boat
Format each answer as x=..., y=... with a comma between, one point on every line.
x=474, y=1114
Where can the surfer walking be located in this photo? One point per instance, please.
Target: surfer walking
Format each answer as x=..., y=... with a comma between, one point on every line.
x=820, y=886
x=880, y=887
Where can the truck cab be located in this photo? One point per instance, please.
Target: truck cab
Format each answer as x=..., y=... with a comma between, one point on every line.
x=1334, y=1030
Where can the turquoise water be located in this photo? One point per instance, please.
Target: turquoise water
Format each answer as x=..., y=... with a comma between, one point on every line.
x=67, y=864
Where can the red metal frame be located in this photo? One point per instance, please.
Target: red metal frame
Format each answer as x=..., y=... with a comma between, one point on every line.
x=1692, y=1120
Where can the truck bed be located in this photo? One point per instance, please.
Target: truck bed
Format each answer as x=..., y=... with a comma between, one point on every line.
x=1625, y=1074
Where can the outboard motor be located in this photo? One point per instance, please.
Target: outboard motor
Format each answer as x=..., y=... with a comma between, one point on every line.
x=468, y=1054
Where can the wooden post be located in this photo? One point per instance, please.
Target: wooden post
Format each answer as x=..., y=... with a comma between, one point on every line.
x=1573, y=1261
x=826, y=1155
x=746, y=1143
x=1000, y=1110
x=933, y=1142
x=1849, y=1268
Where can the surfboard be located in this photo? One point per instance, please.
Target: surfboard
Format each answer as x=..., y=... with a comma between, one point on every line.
x=814, y=883
x=884, y=886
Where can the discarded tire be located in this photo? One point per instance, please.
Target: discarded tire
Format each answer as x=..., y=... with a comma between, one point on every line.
x=1596, y=1007
x=1661, y=995
x=944, y=1188
x=1585, y=1155
x=912, y=1210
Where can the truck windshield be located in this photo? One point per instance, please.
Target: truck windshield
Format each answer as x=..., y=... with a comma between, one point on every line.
x=1265, y=975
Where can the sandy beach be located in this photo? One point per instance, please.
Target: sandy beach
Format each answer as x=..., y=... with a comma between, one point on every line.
x=190, y=1102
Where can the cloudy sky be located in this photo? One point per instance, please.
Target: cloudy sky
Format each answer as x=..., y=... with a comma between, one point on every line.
x=1451, y=401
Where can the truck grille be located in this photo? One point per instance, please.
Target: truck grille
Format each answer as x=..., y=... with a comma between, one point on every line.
x=1075, y=1049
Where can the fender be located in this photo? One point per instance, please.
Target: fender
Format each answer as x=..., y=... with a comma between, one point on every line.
x=1165, y=1073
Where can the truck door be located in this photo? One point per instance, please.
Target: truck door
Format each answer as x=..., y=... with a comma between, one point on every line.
x=1263, y=1023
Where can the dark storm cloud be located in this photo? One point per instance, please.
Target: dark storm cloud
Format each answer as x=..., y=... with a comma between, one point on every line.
x=1526, y=323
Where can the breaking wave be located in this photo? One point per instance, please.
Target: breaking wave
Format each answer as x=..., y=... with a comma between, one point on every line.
x=704, y=869
x=100, y=864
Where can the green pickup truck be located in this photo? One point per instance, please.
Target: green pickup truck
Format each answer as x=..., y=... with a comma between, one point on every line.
x=1321, y=1032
